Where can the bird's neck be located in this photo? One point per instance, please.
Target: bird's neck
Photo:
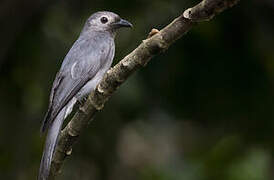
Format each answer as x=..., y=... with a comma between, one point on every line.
x=96, y=33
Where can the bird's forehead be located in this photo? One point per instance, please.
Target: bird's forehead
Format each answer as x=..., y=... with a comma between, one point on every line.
x=103, y=13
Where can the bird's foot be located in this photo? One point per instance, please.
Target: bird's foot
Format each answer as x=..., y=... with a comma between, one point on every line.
x=82, y=100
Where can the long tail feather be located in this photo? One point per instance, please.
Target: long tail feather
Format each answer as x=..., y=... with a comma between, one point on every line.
x=51, y=142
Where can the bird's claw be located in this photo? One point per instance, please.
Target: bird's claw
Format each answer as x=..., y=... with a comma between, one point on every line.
x=83, y=100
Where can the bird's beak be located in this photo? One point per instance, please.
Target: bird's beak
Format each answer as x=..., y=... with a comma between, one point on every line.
x=123, y=23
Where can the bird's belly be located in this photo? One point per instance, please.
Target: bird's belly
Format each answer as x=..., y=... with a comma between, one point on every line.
x=90, y=85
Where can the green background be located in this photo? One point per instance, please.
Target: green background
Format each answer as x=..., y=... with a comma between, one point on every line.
x=203, y=110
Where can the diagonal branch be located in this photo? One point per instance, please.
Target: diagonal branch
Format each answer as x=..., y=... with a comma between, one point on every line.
x=157, y=42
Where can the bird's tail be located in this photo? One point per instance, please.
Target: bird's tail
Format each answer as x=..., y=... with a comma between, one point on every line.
x=51, y=142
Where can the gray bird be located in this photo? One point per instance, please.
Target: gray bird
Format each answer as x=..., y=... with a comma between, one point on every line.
x=82, y=69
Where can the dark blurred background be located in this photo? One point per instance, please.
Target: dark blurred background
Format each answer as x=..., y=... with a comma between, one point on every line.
x=203, y=110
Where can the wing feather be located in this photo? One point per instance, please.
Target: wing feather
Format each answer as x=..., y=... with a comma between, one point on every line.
x=55, y=85
x=89, y=58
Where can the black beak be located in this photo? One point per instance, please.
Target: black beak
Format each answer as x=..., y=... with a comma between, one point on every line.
x=122, y=23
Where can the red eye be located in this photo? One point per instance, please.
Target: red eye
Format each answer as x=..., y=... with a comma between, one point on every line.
x=104, y=20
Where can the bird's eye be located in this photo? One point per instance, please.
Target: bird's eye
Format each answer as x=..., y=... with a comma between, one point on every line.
x=104, y=20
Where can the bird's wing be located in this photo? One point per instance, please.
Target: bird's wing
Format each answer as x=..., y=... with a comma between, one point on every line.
x=55, y=85
x=81, y=64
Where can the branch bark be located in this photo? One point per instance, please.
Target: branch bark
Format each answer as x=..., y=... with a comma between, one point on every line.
x=156, y=43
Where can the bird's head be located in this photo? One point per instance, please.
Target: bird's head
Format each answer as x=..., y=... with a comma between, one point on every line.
x=105, y=21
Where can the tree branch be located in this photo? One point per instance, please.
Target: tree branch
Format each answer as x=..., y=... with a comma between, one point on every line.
x=157, y=42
